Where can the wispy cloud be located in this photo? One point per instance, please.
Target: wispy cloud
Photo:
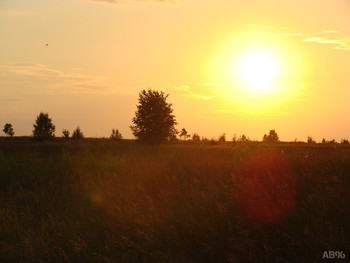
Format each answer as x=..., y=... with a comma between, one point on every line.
x=31, y=78
x=332, y=38
x=342, y=43
x=203, y=91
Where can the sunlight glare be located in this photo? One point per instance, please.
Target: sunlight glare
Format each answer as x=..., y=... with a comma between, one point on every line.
x=258, y=70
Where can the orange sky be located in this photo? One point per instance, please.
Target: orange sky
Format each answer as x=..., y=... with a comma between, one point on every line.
x=100, y=54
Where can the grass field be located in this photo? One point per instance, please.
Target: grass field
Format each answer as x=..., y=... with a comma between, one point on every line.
x=101, y=201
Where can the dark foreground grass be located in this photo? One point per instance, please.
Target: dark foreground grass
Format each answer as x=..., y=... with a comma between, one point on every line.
x=107, y=202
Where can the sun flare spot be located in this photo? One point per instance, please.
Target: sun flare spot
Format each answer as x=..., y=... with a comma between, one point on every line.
x=259, y=70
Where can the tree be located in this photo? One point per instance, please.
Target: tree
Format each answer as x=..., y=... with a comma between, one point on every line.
x=43, y=127
x=243, y=138
x=272, y=137
x=116, y=135
x=184, y=134
x=8, y=129
x=65, y=133
x=195, y=137
x=310, y=140
x=153, y=121
x=222, y=138
x=77, y=133
x=344, y=141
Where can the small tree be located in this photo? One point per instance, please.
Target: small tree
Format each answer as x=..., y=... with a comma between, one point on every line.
x=195, y=137
x=65, y=133
x=310, y=140
x=116, y=135
x=153, y=121
x=234, y=138
x=272, y=137
x=183, y=134
x=344, y=141
x=243, y=138
x=77, y=133
x=222, y=138
x=8, y=129
x=324, y=140
x=43, y=127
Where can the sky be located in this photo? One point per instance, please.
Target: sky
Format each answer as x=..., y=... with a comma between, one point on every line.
x=84, y=62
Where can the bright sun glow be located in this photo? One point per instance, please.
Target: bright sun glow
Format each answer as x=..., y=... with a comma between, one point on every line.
x=259, y=71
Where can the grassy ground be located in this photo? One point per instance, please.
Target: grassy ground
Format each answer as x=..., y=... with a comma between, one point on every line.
x=99, y=201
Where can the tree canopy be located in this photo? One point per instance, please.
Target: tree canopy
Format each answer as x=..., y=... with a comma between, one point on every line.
x=153, y=121
x=43, y=127
x=8, y=129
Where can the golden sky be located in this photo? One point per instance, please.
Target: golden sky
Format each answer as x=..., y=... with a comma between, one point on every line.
x=100, y=54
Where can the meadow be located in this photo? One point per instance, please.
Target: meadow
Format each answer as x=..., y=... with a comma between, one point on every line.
x=100, y=201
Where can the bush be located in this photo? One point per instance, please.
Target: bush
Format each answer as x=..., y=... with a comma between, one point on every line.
x=116, y=135
x=222, y=138
x=195, y=137
x=77, y=134
x=65, y=133
x=272, y=137
x=310, y=140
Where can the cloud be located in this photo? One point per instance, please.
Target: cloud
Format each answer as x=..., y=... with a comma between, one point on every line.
x=31, y=78
x=202, y=91
x=342, y=43
x=325, y=37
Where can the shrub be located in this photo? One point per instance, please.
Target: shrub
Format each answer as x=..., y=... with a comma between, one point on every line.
x=77, y=133
x=65, y=133
x=116, y=135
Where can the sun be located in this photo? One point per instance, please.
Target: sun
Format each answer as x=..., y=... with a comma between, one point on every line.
x=258, y=70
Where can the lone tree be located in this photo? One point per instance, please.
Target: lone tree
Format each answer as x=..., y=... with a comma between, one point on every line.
x=77, y=134
x=153, y=121
x=43, y=127
x=8, y=129
x=272, y=137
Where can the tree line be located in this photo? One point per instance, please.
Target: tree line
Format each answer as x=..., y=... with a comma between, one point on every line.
x=154, y=122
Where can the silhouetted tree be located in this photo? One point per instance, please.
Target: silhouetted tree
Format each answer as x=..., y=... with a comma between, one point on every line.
x=222, y=138
x=77, y=133
x=116, y=135
x=43, y=127
x=195, y=137
x=324, y=140
x=272, y=137
x=234, y=138
x=345, y=141
x=8, y=129
x=184, y=134
x=153, y=121
x=243, y=138
x=65, y=133
x=310, y=140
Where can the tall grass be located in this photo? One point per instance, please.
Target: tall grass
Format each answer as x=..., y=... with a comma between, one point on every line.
x=115, y=202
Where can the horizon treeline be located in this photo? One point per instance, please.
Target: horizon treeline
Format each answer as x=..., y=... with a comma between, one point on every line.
x=153, y=122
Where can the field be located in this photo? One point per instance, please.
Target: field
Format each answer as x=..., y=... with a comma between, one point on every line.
x=103, y=201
